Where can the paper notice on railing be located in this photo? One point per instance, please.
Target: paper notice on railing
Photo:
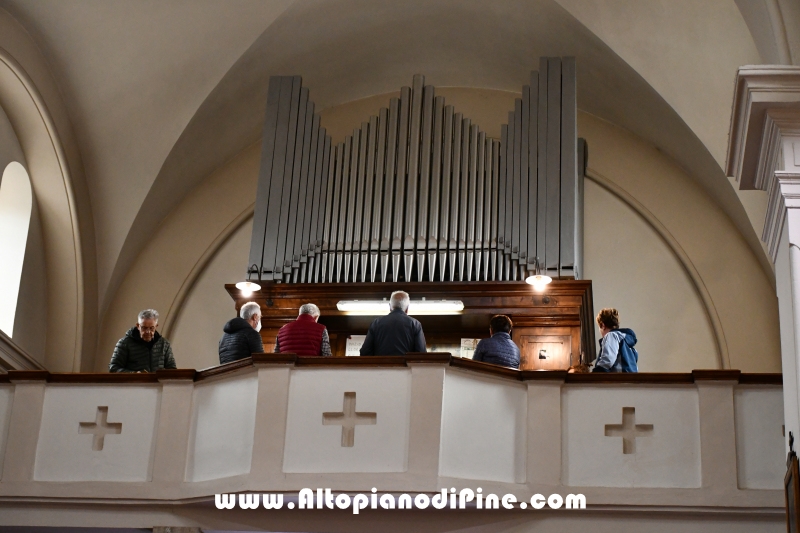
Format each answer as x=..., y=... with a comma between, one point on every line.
x=354, y=343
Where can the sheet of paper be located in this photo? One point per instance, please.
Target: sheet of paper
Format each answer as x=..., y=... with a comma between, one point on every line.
x=354, y=343
x=468, y=347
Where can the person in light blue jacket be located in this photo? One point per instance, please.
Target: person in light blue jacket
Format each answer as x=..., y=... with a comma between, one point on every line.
x=617, y=352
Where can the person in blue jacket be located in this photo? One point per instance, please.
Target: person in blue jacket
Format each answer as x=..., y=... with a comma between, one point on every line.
x=498, y=349
x=617, y=352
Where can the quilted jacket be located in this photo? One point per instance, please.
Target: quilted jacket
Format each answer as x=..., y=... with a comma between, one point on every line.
x=239, y=340
x=132, y=354
x=498, y=349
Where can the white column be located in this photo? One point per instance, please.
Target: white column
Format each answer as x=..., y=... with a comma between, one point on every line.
x=764, y=154
x=787, y=284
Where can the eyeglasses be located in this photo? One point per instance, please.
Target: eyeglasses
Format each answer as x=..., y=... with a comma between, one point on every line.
x=150, y=329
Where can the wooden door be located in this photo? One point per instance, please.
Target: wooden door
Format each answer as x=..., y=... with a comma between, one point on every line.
x=543, y=348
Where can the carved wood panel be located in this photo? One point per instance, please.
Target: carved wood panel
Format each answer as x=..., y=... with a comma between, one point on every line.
x=544, y=348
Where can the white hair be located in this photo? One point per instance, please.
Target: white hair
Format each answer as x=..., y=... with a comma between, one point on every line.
x=309, y=309
x=148, y=314
x=399, y=300
x=248, y=310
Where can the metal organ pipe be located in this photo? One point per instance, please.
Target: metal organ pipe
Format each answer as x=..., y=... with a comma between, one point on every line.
x=419, y=192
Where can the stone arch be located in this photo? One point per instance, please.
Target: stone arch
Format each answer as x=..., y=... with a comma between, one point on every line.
x=679, y=254
x=52, y=186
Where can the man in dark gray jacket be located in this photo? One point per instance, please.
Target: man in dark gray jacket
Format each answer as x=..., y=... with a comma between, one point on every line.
x=396, y=333
x=241, y=336
x=142, y=349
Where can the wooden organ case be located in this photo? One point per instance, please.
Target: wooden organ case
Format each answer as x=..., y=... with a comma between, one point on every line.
x=557, y=321
x=420, y=199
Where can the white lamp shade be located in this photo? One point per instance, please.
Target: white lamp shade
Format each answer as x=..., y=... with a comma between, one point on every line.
x=538, y=281
x=248, y=287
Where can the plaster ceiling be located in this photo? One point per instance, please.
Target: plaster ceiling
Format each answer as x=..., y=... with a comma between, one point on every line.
x=161, y=93
x=132, y=74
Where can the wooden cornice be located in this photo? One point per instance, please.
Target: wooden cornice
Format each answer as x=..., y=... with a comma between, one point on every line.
x=441, y=358
x=16, y=376
x=179, y=374
x=111, y=379
x=227, y=368
x=292, y=360
x=625, y=377
x=761, y=379
x=486, y=368
x=356, y=362
x=716, y=375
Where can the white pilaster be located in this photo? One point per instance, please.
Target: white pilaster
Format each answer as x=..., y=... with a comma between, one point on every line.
x=764, y=153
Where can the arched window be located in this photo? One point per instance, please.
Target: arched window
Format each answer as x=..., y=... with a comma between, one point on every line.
x=16, y=203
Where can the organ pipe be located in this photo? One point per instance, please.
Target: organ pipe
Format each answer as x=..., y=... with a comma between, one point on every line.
x=419, y=192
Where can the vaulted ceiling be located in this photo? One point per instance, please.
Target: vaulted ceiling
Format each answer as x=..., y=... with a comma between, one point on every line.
x=160, y=93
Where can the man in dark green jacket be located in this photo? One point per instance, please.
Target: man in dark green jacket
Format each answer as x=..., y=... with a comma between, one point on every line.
x=142, y=349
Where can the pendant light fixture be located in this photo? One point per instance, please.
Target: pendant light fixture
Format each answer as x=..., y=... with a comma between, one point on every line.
x=539, y=281
x=248, y=287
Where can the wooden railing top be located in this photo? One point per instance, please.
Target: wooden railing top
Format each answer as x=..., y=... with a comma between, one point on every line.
x=268, y=359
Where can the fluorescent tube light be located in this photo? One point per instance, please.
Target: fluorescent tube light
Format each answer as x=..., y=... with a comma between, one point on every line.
x=416, y=307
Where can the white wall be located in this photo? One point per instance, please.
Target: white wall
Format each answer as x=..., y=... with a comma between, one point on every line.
x=668, y=457
x=760, y=456
x=223, y=422
x=314, y=447
x=633, y=270
x=64, y=453
x=482, y=421
x=209, y=306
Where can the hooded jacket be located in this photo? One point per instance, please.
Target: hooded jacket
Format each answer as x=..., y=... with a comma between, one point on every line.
x=239, y=340
x=132, y=354
x=617, y=352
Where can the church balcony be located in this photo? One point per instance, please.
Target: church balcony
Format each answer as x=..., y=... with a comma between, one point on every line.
x=706, y=440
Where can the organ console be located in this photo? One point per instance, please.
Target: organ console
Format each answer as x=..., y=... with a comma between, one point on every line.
x=420, y=198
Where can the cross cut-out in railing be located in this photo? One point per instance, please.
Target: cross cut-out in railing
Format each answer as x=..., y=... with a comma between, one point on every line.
x=349, y=419
x=629, y=430
x=100, y=428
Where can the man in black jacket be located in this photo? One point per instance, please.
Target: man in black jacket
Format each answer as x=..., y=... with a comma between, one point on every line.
x=241, y=338
x=142, y=349
x=396, y=333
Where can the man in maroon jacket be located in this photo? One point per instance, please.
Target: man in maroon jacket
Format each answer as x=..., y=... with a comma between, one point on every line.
x=304, y=336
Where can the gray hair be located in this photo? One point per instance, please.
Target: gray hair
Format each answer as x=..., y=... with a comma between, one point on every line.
x=399, y=300
x=309, y=309
x=249, y=309
x=148, y=314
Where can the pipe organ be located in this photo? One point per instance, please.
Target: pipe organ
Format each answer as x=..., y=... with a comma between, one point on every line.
x=419, y=192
